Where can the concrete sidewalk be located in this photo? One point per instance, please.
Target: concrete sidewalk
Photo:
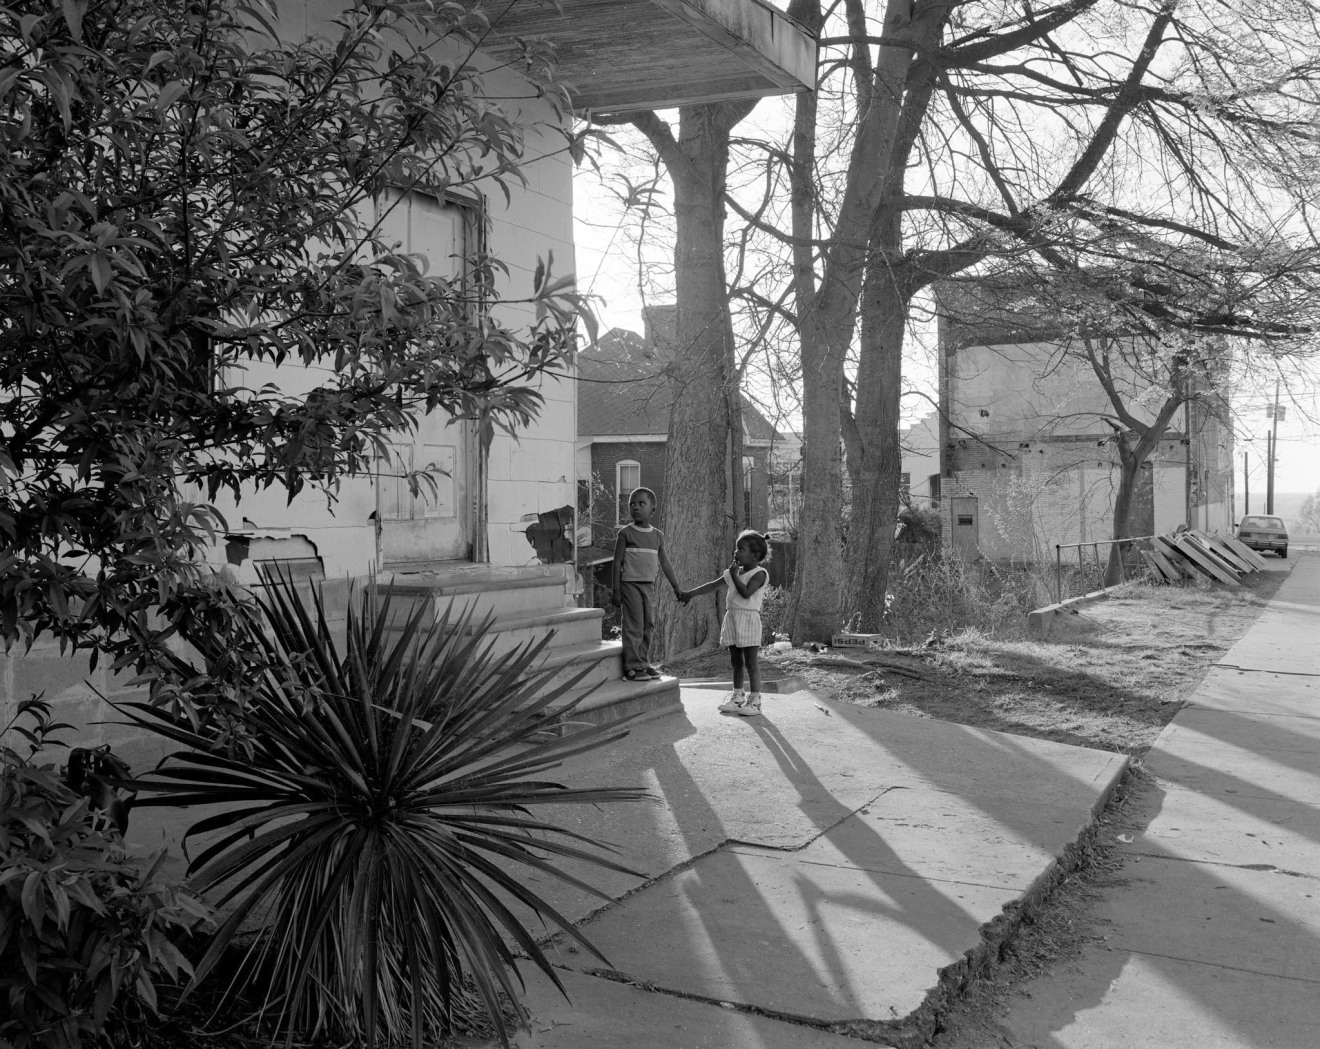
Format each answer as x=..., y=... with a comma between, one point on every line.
x=1214, y=937
x=822, y=870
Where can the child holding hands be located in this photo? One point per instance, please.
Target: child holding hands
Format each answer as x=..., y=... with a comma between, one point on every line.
x=740, y=631
x=639, y=558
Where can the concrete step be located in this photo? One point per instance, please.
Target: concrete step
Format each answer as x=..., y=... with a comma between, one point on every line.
x=620, y=699
x=501, y=591
x=603, y=661
x=571, y=627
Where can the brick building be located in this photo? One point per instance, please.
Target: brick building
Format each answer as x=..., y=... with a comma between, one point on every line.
x=1028, y=460
x=625, y=398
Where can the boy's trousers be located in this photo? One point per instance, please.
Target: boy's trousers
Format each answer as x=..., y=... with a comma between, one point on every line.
x=638, y=601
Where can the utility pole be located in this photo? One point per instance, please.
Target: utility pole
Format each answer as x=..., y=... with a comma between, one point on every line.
x=1246, y=486
x=1275, y=413
x=1187, y=462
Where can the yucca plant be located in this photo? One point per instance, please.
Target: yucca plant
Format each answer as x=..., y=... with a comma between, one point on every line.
x=378, y=814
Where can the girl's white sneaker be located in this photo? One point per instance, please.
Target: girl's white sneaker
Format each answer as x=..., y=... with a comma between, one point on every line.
x=733, y=705
x=751, y=707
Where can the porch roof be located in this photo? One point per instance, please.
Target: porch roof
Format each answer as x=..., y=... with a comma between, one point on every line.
x=618, y=56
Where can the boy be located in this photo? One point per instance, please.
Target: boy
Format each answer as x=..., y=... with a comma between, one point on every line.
x=639, y=557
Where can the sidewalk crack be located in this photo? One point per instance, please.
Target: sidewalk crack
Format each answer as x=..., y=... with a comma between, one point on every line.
x=1309, y=981
x=1261, y=670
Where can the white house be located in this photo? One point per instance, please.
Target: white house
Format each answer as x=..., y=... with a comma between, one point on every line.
x=470, y=542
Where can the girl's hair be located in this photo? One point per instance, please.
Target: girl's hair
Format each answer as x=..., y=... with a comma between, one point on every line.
x=756, y=543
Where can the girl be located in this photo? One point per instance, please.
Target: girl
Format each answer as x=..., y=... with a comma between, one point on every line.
x=741, y=630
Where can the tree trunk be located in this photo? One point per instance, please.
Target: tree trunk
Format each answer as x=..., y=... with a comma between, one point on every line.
x=827, y=315
x=818, y=572
x=875, y=487
x=739, y=516
x=818, y=576
x=1130, y=467
x=697, y=453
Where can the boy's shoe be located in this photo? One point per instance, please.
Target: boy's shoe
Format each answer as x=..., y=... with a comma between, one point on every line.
x=751, y=707
x=636, y=674
x=733, y=705
x=654, y=673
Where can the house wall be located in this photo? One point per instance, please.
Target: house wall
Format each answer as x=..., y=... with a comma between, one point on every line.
x=1015, y=390
x=649, y=454
x=785, y=498
x=606, y=455
x=1025, y=435
x=531, y=472
x=757, y=510
x=1048, y=493
x=920, y=444
x=527, y=473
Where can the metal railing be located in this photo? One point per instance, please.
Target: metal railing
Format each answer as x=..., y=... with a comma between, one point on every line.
x=1059, y=548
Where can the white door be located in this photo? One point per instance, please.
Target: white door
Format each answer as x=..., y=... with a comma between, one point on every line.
x=437, y=524
x=966, y=530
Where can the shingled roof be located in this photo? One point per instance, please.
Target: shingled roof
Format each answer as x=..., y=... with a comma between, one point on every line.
x=624, y=390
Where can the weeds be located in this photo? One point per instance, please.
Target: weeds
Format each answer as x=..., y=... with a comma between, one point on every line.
x=934, y=594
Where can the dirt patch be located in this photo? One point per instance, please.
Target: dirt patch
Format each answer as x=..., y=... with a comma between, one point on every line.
x=1113, y=687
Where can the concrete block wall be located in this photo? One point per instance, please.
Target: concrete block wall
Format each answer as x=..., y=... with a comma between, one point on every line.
x=1061, y=492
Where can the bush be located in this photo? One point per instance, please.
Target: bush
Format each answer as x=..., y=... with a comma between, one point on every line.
x=947, y=593
x=85, y=935
x=774, y=614
x=611, y=623
x=376, y=796
x=919, y=527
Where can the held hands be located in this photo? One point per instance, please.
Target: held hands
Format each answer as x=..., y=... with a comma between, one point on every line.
x=683, y=596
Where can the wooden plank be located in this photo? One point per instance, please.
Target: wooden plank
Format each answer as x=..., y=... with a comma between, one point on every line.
x=1230, y=555
x=1157, y=571
x=1184, y=564
x=1189, y=548
x=1246, y=551
x=1166, y=566
x=1223, y=559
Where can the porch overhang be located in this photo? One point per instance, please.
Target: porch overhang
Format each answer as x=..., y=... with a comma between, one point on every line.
x=620, y=56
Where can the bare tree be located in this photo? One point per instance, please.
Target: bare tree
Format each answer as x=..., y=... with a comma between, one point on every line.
x=955, y=138
x=1068, y=137
x=1309, y=518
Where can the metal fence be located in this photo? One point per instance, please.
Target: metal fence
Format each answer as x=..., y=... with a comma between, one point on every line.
x=1128, y=561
